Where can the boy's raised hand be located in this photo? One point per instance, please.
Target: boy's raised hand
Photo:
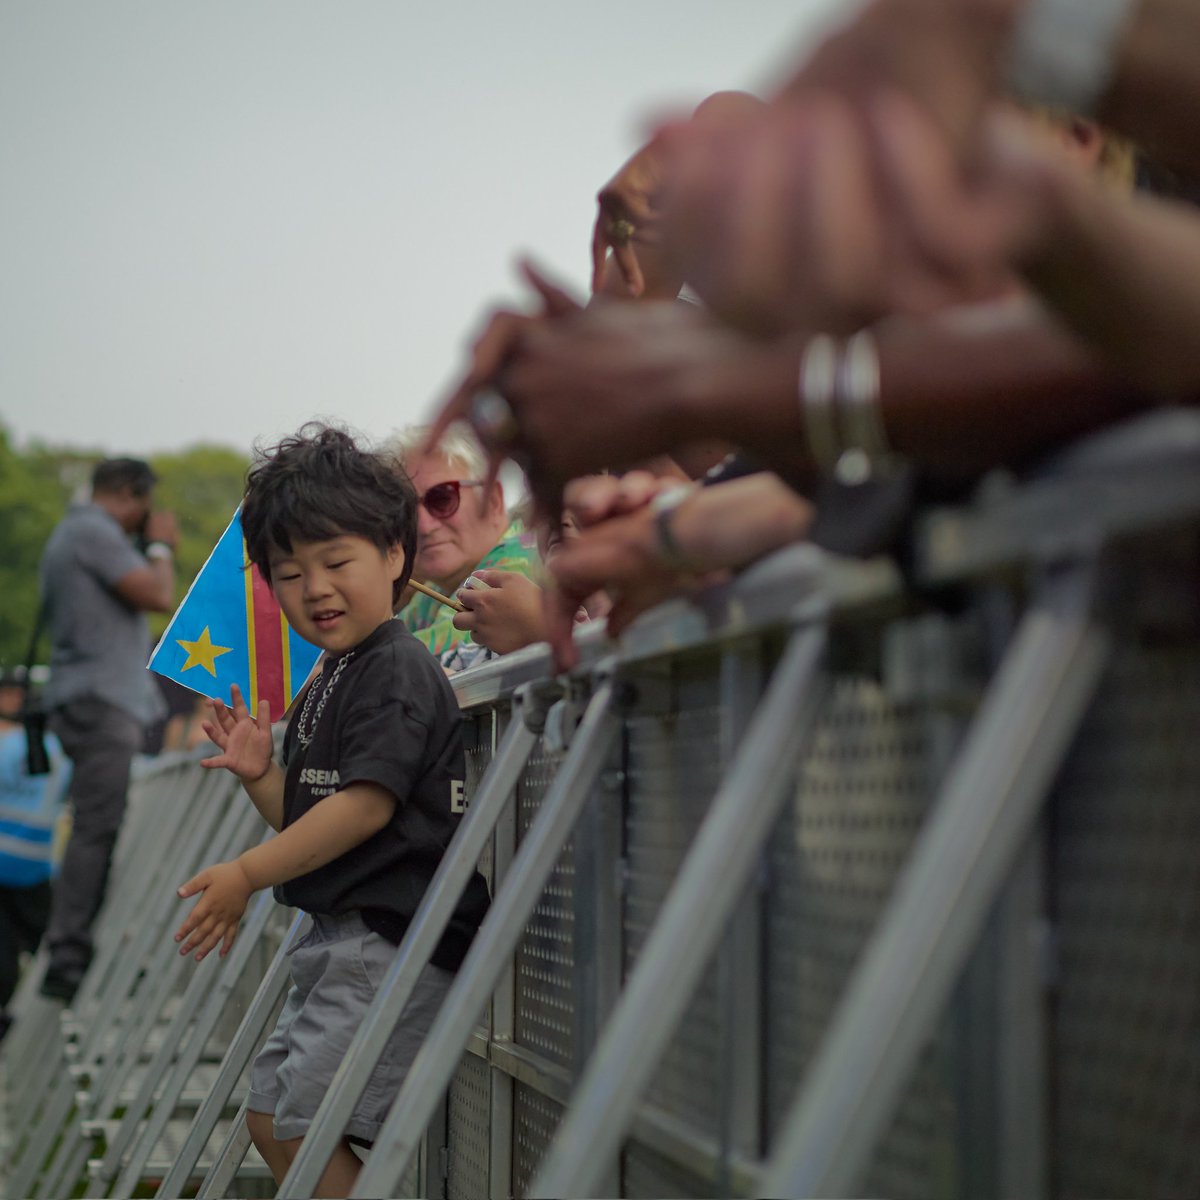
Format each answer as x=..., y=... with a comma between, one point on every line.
x=227, y=891
x=245, y=742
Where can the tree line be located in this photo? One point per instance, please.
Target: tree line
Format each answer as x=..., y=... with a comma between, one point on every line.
x=202, y=484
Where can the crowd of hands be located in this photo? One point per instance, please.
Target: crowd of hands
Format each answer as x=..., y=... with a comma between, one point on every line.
x=889, y=184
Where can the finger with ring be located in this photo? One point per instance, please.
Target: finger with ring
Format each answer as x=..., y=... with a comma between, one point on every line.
x=620, y=231
x=493, y=419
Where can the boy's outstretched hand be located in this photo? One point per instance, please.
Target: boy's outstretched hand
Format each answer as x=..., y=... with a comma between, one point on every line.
x=245, y=742
x=227, y=890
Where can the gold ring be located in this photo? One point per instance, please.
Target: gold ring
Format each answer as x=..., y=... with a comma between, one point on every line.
x=620, y=231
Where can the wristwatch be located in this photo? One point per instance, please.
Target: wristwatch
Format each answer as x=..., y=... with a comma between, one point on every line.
x=663, y=507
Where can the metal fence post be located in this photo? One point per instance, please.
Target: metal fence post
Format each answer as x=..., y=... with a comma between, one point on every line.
x=690, y=925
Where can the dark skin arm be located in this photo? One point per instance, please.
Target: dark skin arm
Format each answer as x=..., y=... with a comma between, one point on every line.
x=605, y=389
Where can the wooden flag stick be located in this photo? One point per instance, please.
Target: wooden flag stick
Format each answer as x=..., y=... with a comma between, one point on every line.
x=434, y=595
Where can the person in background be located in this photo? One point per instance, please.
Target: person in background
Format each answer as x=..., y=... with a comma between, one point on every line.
x=96, y=588
x=462, y=527
x=30, y=809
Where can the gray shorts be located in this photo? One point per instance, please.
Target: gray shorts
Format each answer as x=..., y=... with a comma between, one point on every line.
x=337, y=968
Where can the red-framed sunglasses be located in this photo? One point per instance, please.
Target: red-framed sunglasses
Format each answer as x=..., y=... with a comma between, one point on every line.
x=442, y=500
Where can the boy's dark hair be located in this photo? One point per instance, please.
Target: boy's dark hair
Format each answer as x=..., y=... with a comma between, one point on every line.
x=113, y=474
x=319, y=485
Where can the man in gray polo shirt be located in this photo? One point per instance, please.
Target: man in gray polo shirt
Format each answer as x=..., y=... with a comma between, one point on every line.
x=96, y=588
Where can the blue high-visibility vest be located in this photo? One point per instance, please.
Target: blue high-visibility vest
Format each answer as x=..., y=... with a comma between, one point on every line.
x=29, y=810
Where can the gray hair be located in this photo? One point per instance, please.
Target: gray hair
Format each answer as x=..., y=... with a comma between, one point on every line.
x=458, y=446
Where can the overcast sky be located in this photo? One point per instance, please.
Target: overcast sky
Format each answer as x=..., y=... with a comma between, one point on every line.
x=220, y=219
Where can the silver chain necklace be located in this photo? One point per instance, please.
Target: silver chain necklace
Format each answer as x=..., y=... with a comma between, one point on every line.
x=301, y=736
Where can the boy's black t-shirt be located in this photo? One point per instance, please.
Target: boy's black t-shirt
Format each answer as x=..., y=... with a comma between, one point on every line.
x=391, y=719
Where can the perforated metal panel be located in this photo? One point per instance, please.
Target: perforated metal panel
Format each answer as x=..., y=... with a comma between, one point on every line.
x=535, y=1118
x=468, y=1105
x=863, y=791
x=673, y=771
x=1126, y=858
x=545, y=959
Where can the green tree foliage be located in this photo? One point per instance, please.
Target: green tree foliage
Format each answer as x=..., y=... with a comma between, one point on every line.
x=202, y=485
x=32, y=499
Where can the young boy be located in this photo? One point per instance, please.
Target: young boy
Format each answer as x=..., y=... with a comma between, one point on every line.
x=367, y=797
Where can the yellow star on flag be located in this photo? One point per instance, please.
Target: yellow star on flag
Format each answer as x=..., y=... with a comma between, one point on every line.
x=202, y=653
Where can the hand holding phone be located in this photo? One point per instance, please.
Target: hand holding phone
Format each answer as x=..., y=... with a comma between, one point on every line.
x=161, y=526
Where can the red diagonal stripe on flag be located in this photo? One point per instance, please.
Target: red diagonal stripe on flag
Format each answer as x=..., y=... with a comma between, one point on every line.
x=268, y=646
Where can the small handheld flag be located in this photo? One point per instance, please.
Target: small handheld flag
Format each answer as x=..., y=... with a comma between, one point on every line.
x=229, y=630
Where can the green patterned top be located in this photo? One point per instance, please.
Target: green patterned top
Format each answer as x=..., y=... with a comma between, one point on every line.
x=433, y=623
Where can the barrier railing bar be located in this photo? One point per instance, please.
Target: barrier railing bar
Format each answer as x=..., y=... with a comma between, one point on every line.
x=740, y=961
x=113, y=986
x=240, y=822
x=230, y=1157
x=420, y=941
x=112, y=1073
x=250, y=1034
x=109, y=978
x=205, y=998
x=493, y=946
x=111, y=931
x=985, y=812
x=52, y=1119
x=436, y=1149
x=40, y=1017
x=99, y=1035
x=690, y=925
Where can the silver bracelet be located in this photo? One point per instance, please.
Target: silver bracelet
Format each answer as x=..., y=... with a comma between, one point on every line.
x=818, y=379
x=856, y=398
x=159, y=550
x=1063, y=50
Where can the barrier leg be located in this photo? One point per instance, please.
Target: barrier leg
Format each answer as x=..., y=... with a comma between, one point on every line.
x=973, y=834
x=693, y=919
x=492, y=948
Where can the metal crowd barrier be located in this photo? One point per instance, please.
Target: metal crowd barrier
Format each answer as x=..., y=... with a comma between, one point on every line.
x=97, y=1093
x=832, y=881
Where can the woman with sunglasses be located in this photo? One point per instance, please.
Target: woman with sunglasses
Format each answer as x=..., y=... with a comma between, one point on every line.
x=458, y=531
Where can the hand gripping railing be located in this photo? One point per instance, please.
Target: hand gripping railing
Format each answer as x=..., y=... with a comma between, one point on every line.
x=985, y=812
x=425, y=931
x=490, y=952
x=249, y=1036
x=710, y=884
